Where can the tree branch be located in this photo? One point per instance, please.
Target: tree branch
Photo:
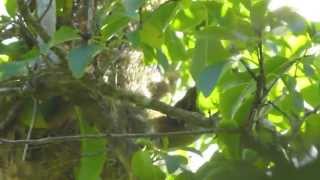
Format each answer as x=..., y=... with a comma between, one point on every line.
x=33, y=119
x=260, y=90
x=60, y=139
x=252, y=74
x=142, y=101
x=30, y=20
x=11, y=116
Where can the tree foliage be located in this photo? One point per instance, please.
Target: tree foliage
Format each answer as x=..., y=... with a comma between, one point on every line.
x=256, y=72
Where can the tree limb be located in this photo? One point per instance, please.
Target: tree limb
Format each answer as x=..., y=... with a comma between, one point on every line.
x=30, y=20
x=142, y=101
x=59, y=139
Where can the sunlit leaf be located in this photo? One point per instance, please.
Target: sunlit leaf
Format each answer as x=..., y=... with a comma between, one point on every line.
x=15, y=50
x=64, y=34
x=93, y=150
x=15, y=68
x=151, y=35
x=185, y=175
x=190, y=17
x=220, y=33
x=226, y=169
x=143, y=168
x=175, y=46
x=312, y=133
x=311, y=95
x=11, y=6
x=258, y=13
x=113, y=24
x=149, y=54
x=230, y=145
x=152, y=32
x=232, y=99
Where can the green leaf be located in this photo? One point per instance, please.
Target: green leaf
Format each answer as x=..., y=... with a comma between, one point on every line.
x=189, y=18
x=249, y=155
x=16, y=68
x=11, y=6
x=220, y=33
x=149, y=54
x=296, y=104
x=232, y=99
x=185, y=175
x=226, y=169
x=311, y=94
x=258, y=13
x=316, y=37
x=298, y=101
x=230, y=79
x=208, y=78
x=162, y=16
x=143, y=168
x=153, y=28
x=208, y=51
x=151, y=35
x=275, y=65
x=290, y=83
x=26, y=116
x=64, y=34
x=132, y=7
x=175, y=46
x=230, y=145
x=113, y=24
x=308, y=70
x=162, y=60
x=186, y=3
x=235, y=91
x=174, y=162
x=246, y=3
x=14, y=50
x=312, y=132
x=64, y=8
x=134, y=38
x=91, y=164
x=79, y=58
x=243, y=109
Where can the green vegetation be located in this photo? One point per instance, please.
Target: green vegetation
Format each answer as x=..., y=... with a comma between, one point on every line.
x=69, y=109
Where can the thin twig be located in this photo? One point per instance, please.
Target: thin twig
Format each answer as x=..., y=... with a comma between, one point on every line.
x=249, y=70
x=279, y=110
x=11, y=116
x=33, y=119
x=48, y=140
x=262, y=78
x=288, y=66
x=31, y=22
x=260, y=90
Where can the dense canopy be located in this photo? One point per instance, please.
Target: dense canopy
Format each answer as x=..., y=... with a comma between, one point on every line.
x=137, y=89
